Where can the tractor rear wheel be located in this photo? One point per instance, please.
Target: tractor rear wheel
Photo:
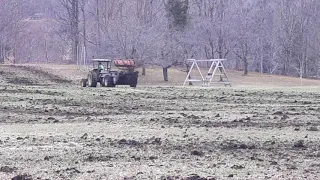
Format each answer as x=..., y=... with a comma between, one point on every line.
x=93, y=77
x=104, y=81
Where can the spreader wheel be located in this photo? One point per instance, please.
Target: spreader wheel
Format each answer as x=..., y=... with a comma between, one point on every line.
x=110, y=82
x=133, y=85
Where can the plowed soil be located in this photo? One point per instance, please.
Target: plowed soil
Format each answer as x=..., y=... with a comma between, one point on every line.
x=50, y=128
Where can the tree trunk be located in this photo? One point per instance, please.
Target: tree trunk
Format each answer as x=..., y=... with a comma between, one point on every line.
x=84, y=35
x=220, y=45
x=305, y=69
x=143, y=71
x=237, y=64
x=75, y=29
x=189, y=77
x=165, y=74
x=261, y=57
x=318, y=70
x=98, y=48
x=1, y=54
x=245, y=60
x=284, y=70
x=46, y=49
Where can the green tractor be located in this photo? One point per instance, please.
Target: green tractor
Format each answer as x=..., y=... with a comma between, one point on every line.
x=103, y=74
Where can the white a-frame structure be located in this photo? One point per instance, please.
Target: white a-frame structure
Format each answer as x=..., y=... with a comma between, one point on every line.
x=216, y=70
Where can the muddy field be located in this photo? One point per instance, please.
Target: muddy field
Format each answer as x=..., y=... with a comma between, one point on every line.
x=53, y=129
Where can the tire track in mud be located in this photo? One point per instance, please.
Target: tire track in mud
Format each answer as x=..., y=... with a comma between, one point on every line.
x=97, y=149
x=192, y=125
x=60, y=103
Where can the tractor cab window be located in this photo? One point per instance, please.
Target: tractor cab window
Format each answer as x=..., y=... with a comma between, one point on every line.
x=102, y=65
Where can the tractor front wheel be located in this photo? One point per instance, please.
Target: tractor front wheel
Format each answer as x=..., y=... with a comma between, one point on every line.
x=104, y=81
x=83, y=82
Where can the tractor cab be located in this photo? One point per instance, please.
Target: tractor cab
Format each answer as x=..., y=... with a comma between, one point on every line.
x=102, y=65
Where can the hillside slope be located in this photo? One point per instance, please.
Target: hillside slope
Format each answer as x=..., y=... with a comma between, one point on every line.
x=29, y=75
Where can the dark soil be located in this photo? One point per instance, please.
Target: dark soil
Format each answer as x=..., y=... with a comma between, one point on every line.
x=56, y=131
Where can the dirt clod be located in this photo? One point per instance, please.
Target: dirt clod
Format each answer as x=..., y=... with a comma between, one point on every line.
x=197, y=153
x=98, y=158
x=22, y=177
x=153, y=157
x=195, y=177
x=291, y=166
x=273, y=163
x=190, y=177
x=129, y=142
x=140, y=173
x=84, y=136
x=192, y=116
x=237, y=167
x=122, y=141
x=47, y=158
x=156, y=141
x=278, y=113
x=284, y=117
x=313, y=128
x=7, y=169
x=299, y=144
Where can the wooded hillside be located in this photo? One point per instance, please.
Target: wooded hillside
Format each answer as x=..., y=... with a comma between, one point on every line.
x=267, y=36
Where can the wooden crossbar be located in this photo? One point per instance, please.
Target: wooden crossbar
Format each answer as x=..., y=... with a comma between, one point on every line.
x=205, y=60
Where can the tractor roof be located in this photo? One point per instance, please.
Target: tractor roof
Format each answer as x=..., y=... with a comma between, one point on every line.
x=101, y=60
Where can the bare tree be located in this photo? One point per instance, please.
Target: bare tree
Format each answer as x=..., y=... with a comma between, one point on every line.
x=243, y=33
x=68, y=16
x=267, y=36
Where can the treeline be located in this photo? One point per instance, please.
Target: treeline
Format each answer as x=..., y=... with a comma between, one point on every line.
x=267, y=36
